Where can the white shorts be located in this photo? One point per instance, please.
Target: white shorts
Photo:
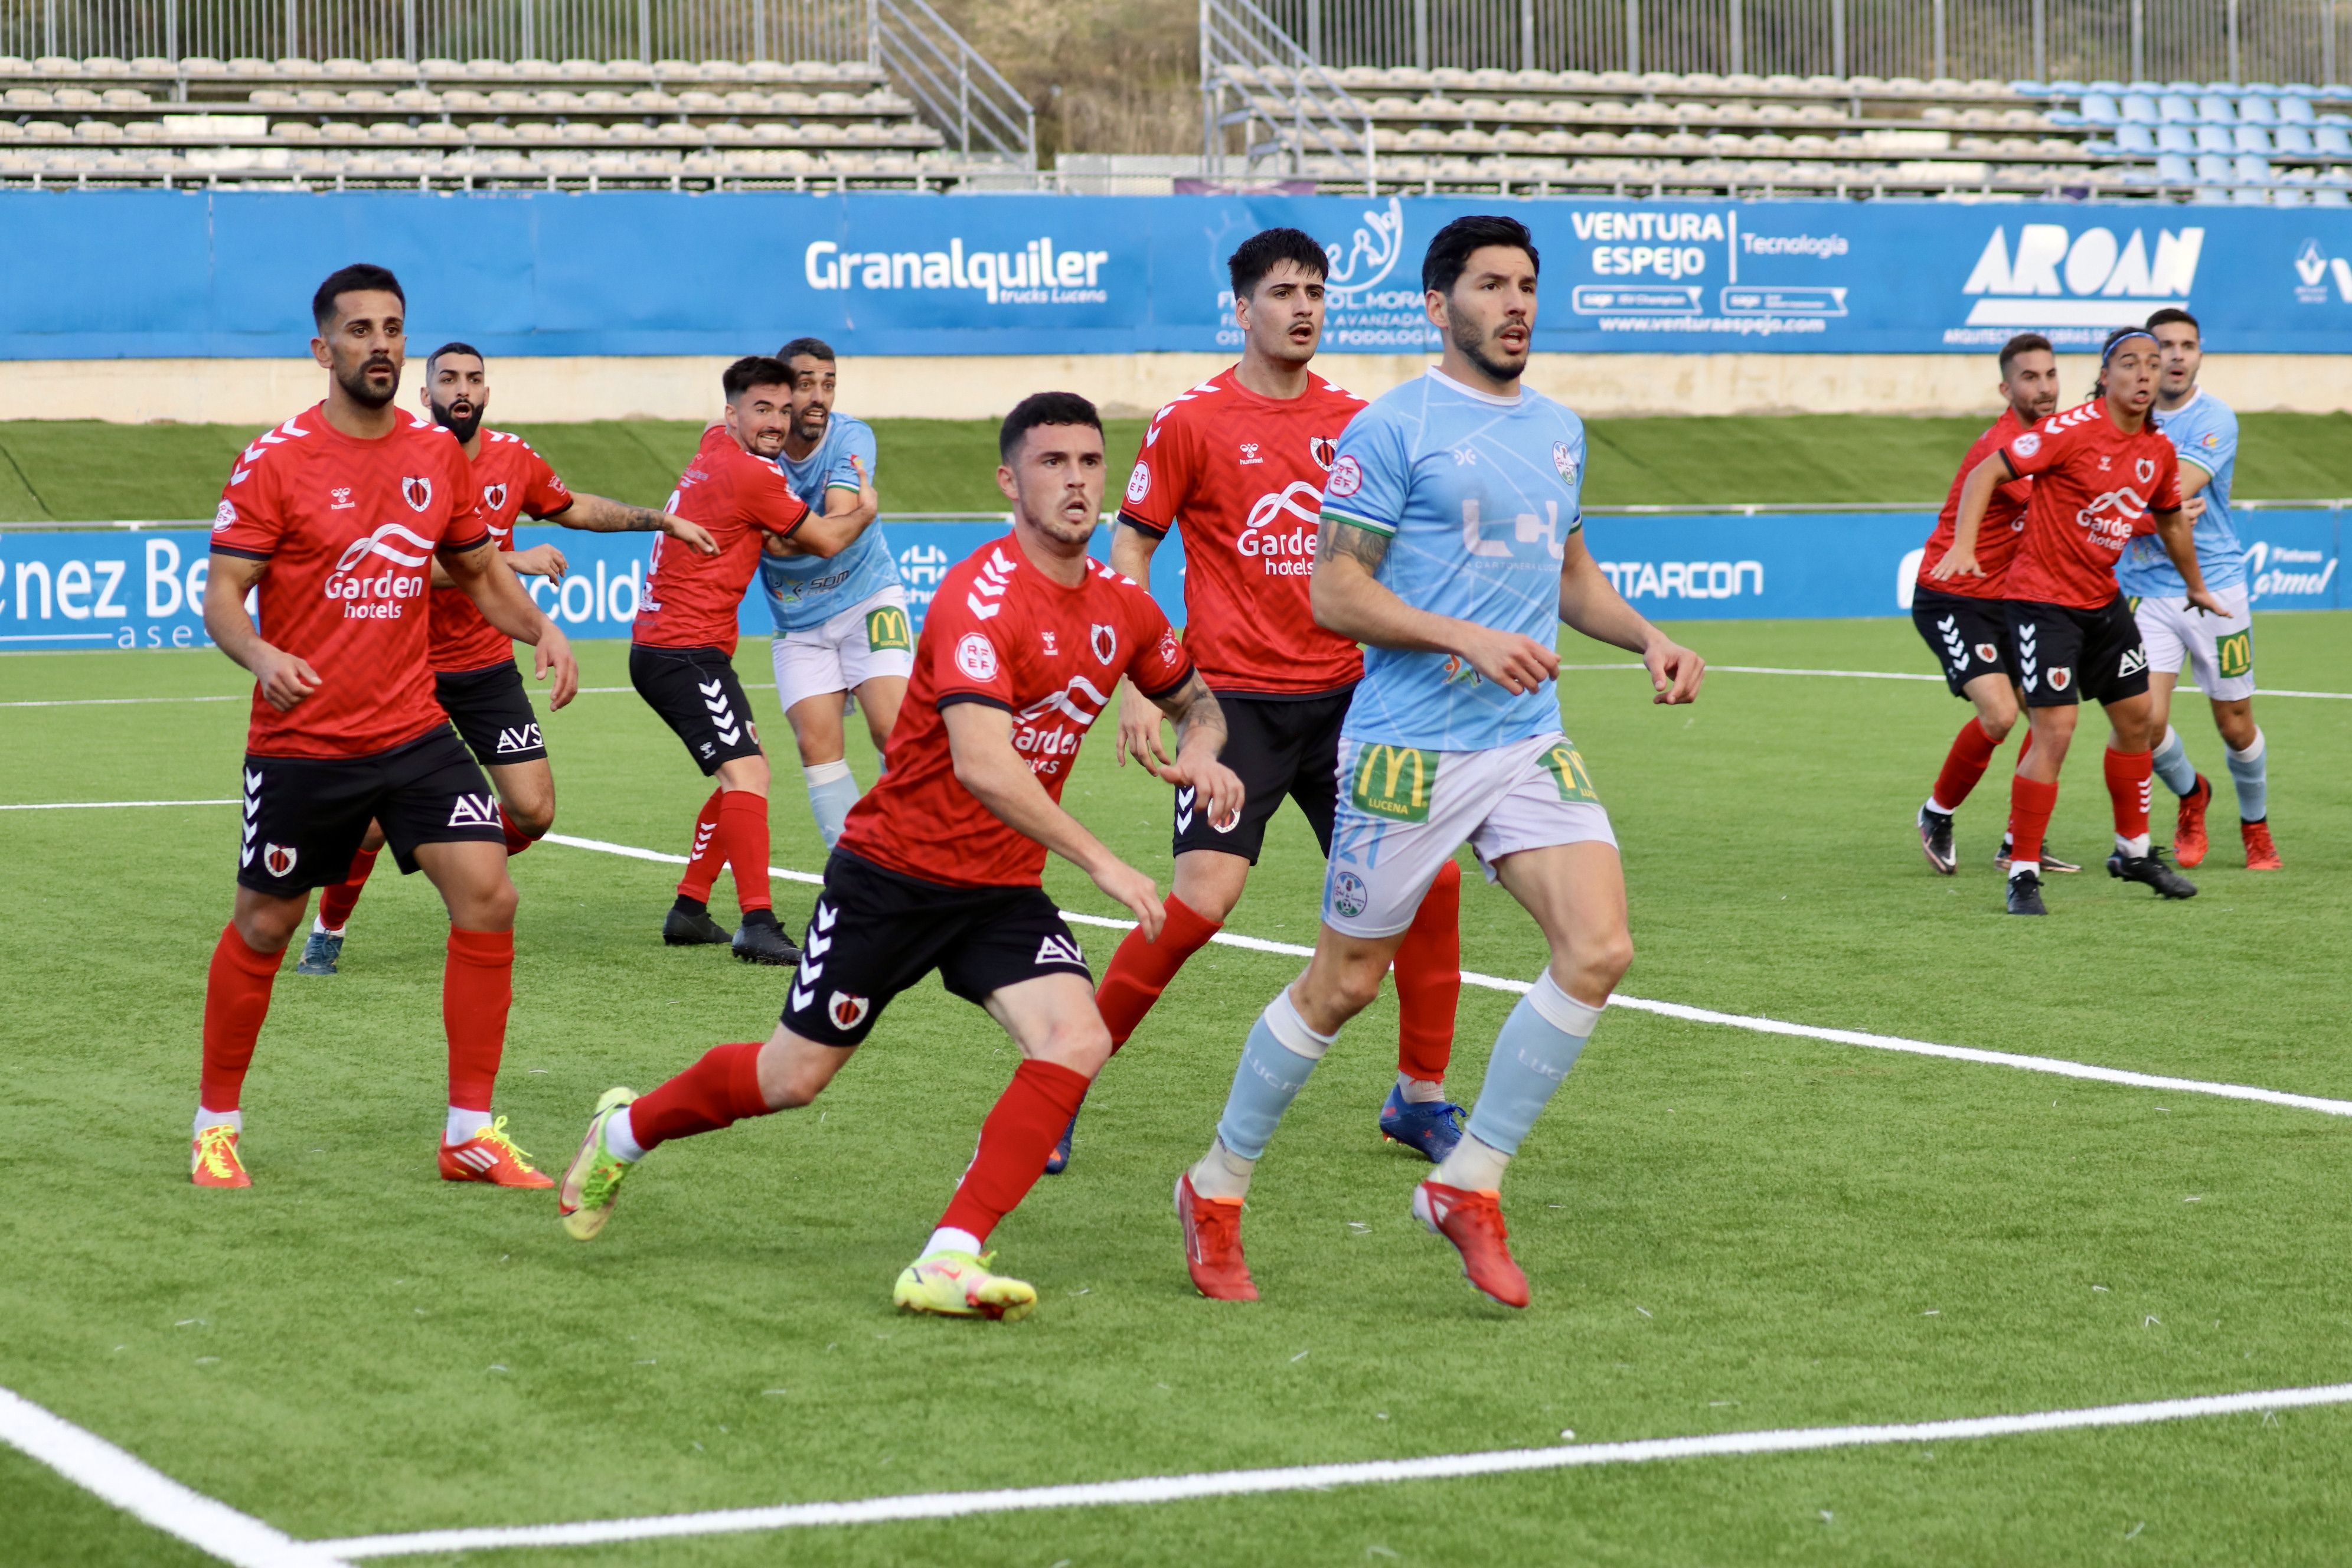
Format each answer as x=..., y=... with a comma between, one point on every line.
x=871, y=637
x=1403, y=812
x=2220, y=651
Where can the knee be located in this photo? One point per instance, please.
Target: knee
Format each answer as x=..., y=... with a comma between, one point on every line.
x=1594, y=967
x=533, y=817
x=493, y=908
x=268, y=928
x=1339, y=994
x=1081, y=1044
x=1997, y=723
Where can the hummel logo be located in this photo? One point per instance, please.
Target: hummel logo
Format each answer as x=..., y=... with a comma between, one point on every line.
x=1949, y=627
x=474, y=811
x=722, y=713
x=825, y=915
x=519, y=738
x=1058, y=950
x=1184, y=798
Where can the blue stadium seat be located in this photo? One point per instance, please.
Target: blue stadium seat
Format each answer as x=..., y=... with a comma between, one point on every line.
x=2249, y=196
x=2139, y=108
x=2225, y=88
x=2173, y=169
x=2295, y=140
x=2252, y=110
x=2337, y=90
x=2251, y=170
x=2067, y=88
x=2175, y=139
x=2176, y=108
x=2332, y=141
x=2135, y=139
x=2295, y=112
x=2250, y=139
x=2215, y=110
x=2215, y=139
x=2264, y=89
x=2213, y=169
x=2150, y=88
x=2186, y=89
x=2325, y=198
x=2111, y=88
x=2098, y=108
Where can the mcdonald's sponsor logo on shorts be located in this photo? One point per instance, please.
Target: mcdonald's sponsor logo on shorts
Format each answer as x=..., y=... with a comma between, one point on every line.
x=1394, y=782
x=887, y=628
x=1566, y=766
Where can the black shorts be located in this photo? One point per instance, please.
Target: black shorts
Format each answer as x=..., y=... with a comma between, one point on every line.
x=875, y=933
x=304, y=817
x=2065, y=654
x=493, y=712
x=696, y=691
x=1969, y=637
x=1278, y=746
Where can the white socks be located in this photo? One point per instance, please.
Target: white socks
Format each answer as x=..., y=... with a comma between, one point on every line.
x=319, y=927
x=464, y=1124
x=620, y=1138
x=2136, y=845
x=1222, y=1175
x=1474, y=1166
x=233, y=1120
x=948, y=1238
x=1419, y=1090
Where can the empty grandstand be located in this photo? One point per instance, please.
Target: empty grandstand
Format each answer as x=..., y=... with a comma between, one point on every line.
x=770, y=94
x=1553, y=97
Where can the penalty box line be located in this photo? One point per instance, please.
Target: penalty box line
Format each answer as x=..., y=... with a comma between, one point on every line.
x=2056, y=1066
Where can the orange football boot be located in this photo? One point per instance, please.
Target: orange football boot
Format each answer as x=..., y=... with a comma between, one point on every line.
x=2188, y=840
x=2262, y=855
x=1473, y=1222
x=1212, y=1245
x=490, y=1156
x=212, y=1158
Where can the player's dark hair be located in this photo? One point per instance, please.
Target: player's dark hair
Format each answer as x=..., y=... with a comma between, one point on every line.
x=750, y=371
x=1450, y=247
x=453, y=347
x=806, y=348
x=2023, y=343
x=1042, y=408
x=2172, y=313
x=359, y=277
x=1258, y=254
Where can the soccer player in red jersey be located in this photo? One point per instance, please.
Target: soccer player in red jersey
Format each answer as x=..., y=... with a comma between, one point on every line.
x=474, y=673
x=335, y=517
x=682, y=648
x=2102, y=472
x=1238, y=464
x=940, y=865
x=1961, y=618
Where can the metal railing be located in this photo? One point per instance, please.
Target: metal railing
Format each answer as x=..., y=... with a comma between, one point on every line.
x=958, y=91
x=2043, y=40
x=1242, y=47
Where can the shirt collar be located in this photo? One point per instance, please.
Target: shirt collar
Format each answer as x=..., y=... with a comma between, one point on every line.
x=1473, y=393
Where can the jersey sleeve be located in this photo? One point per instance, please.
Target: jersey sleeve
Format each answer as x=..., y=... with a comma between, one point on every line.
x=969, y=661
x=1156, y=485
x=2165, y=495
x=2036, y=450
x=764, y=498
x=859, y=444
x=252, y=514
x=1366, y=488
x=544, y=494
x=2211, y=449
x=1159, y=664
x=466, y=528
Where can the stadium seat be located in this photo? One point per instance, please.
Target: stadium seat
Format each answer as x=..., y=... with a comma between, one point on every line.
x=2251, y=170
x=2215, y=139
x=2332, y=141
x=2251, y=139
x=2215, y=110
x=2174, y=108
x=2139, y=108
x=2212, y=169
x=2254, y=110
x=2294, y=140
x=2295, y=112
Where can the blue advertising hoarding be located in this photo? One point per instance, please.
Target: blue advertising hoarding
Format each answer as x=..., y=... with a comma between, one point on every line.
x=67, y=589
x=162, y=274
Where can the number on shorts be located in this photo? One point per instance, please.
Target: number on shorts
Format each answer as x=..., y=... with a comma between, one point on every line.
x=1566, y=766
x=2235, y=653
x=1394, y=782
x=887, y=628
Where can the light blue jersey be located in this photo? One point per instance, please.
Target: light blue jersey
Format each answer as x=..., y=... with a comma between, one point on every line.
x=1477, y=495
x=2205, y=433
x=805, y=591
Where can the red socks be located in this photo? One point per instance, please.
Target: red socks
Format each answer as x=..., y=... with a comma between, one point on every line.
x=1964, y=764
x=743, y=833
x=236, y=999
x=1140, y=970
x=517, y=839
x=2127, y=785
x=1015, y=1143
x=720, y=1091
x=703, y=861
x=477, y=989
x=1428, y=969
x=336, y=904
x=2031, y=802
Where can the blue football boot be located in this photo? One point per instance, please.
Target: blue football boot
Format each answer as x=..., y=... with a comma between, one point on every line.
x=1059, y=1160
x=1429, y=1131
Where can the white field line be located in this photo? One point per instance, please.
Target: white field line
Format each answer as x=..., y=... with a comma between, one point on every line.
x=2053, y=1065
x=108, y=804
x=96, y=1466
x=771, y=686
x=1319, y=1478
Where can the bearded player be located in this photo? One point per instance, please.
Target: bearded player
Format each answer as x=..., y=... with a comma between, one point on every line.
x=333, y=519
x=1237, y=464
x=2101, y=473
x=1962, y=619
x=940, y=865
x=841, y=620
x=474, y=674
x=1450, y=540
x=2220, y=649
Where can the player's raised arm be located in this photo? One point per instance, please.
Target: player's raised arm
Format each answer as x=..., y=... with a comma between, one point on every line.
x=980, y=743
x=1976, y=494
x=600, y=514
x=1590, y=603
x=284, y=678
x=847, y=514
x=483, y=576
x=1350, y=600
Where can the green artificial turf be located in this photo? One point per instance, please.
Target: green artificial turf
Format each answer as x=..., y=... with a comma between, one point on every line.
x=80, y=471
x=1726, y=1230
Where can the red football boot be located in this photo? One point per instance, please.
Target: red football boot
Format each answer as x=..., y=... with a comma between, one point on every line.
x=213, y=1160
x=2262, y=855
x=1212, y=1243
x=491, y=1156
x=2188, y=840
x=1473, y=1222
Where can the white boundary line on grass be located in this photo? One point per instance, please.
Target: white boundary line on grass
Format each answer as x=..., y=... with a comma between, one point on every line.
x=108, y=804
x=1317, y=1477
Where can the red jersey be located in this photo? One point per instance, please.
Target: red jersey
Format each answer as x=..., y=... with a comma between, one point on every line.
x=1000, y=631
x=2094, y=487
x=348, y=528
x=2003, y=529
x=692, y=600
x=511, y=480
x=1243, y=475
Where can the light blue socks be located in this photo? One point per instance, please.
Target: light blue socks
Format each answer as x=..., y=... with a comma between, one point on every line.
x=1540, y=1041
x=832, y=792
x=2249, y=770
x=1275, y=1066
x=2172, y=763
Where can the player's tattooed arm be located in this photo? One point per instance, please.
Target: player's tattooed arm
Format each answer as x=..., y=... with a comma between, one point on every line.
x=284, y=678
x=1139, y=717
x=483, y=576
x=1334, y=540
x=1590, y=603
x=1348, y=599
x=598, y=514
x=1199, y=739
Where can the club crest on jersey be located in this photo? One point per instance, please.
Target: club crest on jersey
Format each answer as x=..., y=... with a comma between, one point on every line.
x=1323, y=450
x=2061, y=677
x=1249, y=453
x=976, y=657
x=279, y=859
x=1106, y=641
x=417, y=491
x=494, y=497
x=225, y=517
x=1565, y=461
x=2025, y=446
x=1347, y=478
x=1138, y=483
x=846, y=1011
x=2146, y=469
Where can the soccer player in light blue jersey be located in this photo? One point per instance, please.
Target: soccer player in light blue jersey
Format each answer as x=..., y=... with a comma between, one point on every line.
x=1449, y=543
x=841, y=620
x=2218, y=650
